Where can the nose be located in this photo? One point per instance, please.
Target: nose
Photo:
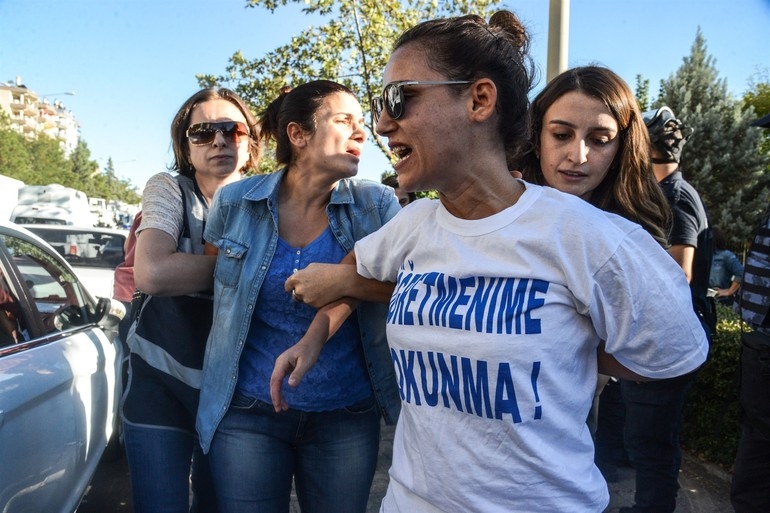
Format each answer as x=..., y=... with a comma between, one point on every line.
x=359, y=131
x=578, y=152
x=219, y=139
x=384, y=124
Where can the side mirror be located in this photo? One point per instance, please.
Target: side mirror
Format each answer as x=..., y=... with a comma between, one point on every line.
x=108, y=312
x=107, y=315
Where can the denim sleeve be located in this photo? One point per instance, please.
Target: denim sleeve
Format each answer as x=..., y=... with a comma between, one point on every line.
x=389, y=205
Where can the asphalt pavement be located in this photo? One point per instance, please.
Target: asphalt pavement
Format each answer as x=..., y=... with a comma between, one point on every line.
x=704, y=487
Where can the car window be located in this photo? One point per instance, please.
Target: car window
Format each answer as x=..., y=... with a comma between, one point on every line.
x=84, y=248
x=52, y=287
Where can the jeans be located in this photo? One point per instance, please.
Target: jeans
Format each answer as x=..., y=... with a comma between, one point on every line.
x=652, y=426
x=162, y=463
x=331, y=455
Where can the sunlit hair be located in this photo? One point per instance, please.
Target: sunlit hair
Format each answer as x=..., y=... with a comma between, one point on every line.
x=295, y=105
x=181, y=123
x=629, y=189
x=467, y=48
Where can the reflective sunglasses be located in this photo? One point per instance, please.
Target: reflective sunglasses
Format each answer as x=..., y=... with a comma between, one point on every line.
x=392, y=99
x=201, y=134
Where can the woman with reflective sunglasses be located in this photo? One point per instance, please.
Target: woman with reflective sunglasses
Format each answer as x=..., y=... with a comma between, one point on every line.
x=504, y=290
x=264, y=229
x=214, y=141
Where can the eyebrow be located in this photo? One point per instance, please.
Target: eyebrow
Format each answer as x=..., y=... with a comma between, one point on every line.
x=346, y=114
x=599, y=128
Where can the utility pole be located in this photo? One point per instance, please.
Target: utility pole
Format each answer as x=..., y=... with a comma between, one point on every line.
x=558, y=38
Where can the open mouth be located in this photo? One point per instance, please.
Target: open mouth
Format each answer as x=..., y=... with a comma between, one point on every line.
x=401, y=152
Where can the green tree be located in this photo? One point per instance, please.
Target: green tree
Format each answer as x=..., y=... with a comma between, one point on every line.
x=722, y=160
x=48, y=162
x=81, y=165
x=14, y=158
x=758, y=98
x=352, y=47
x=642, y=92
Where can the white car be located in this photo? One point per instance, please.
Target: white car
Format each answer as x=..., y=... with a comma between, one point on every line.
x=92, y=252
x=59, y=394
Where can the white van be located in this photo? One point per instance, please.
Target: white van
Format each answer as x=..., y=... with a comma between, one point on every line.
x=52, y=204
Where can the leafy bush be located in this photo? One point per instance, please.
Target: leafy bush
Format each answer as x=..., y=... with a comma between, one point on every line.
x=711, y=427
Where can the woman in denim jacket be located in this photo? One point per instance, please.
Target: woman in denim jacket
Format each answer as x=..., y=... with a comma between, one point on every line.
x=264, y=229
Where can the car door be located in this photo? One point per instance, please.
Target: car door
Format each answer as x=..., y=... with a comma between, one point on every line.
x=57, y=381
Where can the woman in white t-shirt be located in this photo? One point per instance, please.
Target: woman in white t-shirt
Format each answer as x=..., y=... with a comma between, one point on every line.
x=504, y=290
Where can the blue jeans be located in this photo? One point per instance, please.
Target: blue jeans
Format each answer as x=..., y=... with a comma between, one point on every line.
x=651, y=434
x=331, y=455
x=162, y=463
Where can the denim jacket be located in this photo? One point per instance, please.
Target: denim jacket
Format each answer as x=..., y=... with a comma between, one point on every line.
x=243, y=225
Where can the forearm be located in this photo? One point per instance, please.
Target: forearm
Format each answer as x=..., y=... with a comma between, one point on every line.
x=176, y=274
x=733, y=288
x=611, y=367
x=364, y=289
x=160, y=270
x=328, y=320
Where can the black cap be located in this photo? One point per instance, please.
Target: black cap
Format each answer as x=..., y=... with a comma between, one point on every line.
x=764, y=122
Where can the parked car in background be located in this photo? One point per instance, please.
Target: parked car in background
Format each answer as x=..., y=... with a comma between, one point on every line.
x=59, y=394
x=92, y=252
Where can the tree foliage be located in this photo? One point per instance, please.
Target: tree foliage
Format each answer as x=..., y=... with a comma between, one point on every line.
x=41, y=161
x=758, y=98
x=642, y=93
x=352, y=47
x=14, y=158
x=723, y=159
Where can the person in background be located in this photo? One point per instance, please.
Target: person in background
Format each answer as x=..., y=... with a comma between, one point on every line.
x=213, y=136
x=508, y=296
x=750, y=487
x=404, y=198
x=589, y=140
x=264, y=229
x=653, y=410
x=726, y=271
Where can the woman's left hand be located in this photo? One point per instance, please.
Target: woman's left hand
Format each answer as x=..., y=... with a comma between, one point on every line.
x=294, y=362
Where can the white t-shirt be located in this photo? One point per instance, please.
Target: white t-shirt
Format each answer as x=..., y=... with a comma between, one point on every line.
x=493, y=328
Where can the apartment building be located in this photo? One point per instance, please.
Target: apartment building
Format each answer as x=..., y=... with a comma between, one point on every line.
x=32, y=115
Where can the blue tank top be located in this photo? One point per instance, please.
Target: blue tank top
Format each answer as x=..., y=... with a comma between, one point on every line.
x=339, y=378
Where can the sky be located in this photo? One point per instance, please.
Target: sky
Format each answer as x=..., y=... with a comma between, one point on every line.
x=132, y=63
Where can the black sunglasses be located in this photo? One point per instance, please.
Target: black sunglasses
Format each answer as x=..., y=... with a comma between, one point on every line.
x=392, y=99
x=201, y=134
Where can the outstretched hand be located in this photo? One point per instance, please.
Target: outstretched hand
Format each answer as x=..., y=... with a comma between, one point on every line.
x=294, y=362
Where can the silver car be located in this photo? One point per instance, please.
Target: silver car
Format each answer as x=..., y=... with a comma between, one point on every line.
x=58, y=389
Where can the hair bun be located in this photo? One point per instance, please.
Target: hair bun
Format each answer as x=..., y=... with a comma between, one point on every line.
x=512, y=26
